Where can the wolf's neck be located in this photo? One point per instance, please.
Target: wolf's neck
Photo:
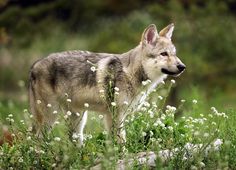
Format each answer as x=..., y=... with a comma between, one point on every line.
x=132, y=62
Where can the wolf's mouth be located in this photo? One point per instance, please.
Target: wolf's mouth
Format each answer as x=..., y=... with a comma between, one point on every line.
x=165, y=71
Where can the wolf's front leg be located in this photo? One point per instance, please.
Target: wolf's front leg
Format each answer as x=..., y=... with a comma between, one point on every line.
x=115, y=126
x=76, y=126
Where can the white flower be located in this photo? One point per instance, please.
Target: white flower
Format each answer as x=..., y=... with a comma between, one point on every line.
x=10, y=115
x=101, y=91
x=31, y=116
x=154, y=105
x=65, y=116
x=224, y=115
x=206, y=134
x=30, y=129
x=20, y=160
x=68, y=100
x=146, y=104
x=25, y=110
x=160, y=97
x=159, y=123
x=151, y=113
x=152, y=139
x=28, y=138
x=170, y=128
x=31, y=148
x=186, y=126
x=117, y=93
x=144, y=83
x=196, y=133
x=38, y=102
x=143, y=92
x=68, y=113
x=182, y=101
x=49, y=105
x=144, y=134
x=56, y=123
x=93, y=69
x=77, y=114
x=42, y=152
x=86, y=105
x=116, y=89
x=66, y=95
x=113, y=103
x=126, y=103
x=54, y=112
x=170, y=108
x=143, y=109
x=173, y=81
x=104, y=132
x=75, y=136
x=57, y=139
x=210, y=115
x=100, y=116
x=89, y=136
x=163, y=116
x=217, y=144
x=202, y=165
x=54, y=165
x=213, y=109
x=193, y=167
x=194, y=101
x=162, y=82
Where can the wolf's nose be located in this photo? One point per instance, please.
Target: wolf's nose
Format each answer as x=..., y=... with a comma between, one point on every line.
x=181, y=67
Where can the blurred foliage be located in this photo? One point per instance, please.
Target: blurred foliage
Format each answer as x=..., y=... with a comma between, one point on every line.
x=204, y=36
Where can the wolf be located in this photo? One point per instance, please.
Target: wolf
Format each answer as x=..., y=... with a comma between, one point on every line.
x=78, y=81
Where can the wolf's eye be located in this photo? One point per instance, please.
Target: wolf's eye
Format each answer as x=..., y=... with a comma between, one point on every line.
x=164, y=54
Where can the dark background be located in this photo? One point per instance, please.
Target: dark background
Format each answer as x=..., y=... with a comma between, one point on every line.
x=204, y=36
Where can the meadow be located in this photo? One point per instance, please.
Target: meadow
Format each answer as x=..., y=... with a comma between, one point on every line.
x=188, y=122
x=157, y=127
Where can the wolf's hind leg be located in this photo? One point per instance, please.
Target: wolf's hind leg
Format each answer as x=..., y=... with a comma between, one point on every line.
x=76, y=126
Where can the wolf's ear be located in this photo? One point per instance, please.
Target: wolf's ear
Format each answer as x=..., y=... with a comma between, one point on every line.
x=150, y=35
x=167, y=31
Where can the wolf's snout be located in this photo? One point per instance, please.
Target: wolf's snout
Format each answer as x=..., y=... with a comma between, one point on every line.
x=181, y=67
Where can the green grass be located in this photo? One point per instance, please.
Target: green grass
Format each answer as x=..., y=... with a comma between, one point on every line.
x=154, y=128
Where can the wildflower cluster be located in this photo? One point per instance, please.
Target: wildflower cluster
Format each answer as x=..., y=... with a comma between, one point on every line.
x=184, y=135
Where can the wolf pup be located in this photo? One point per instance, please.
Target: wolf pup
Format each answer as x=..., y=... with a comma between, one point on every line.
x=77, y=81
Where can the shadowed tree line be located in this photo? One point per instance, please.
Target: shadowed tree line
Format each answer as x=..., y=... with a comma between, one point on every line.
x=204, y=35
